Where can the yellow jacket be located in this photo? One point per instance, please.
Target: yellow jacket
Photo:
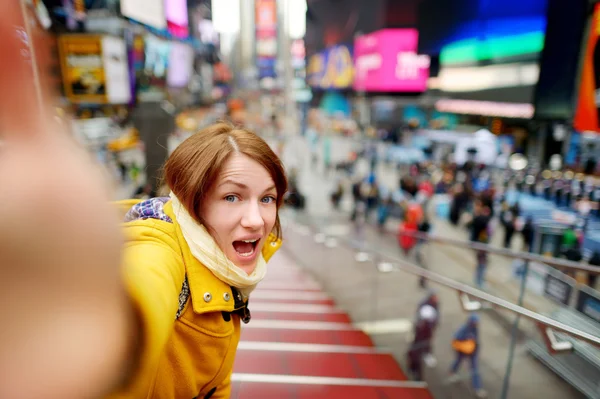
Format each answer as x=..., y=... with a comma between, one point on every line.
x=188, y=350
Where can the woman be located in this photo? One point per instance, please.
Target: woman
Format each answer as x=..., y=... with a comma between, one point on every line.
x=192, y=259
x=189, y=265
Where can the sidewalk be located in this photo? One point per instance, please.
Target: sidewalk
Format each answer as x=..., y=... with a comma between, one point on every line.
x=384, y=305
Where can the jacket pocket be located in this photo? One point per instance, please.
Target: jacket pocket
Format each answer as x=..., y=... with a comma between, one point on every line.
x=198, y=357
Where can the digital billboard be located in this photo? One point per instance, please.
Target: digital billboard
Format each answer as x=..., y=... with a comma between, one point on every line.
x=332, y=68
x=387, y=61
x=176, y=12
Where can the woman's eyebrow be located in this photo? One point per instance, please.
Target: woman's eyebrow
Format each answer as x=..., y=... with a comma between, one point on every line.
x=235, y=183
x=244, y=186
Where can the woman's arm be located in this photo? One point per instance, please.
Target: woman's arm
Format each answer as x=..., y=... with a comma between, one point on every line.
x=67, y=326
x=153, y=272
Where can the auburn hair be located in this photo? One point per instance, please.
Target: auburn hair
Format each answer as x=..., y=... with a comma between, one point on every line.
x=196, y=163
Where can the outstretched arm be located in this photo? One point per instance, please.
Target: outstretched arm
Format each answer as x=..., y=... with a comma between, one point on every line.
x=68, y=327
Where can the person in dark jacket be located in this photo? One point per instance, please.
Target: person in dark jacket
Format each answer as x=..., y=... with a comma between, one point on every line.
x=507, y=218
x=424, y=227
x=528, y=234
x=424, y=328
x=480, y=233
x=459, y=202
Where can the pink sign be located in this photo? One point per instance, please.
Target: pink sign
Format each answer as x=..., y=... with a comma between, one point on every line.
x=176, y=12
x=387, y=61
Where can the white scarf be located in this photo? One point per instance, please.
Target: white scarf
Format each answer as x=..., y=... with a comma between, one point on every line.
x=206, y=251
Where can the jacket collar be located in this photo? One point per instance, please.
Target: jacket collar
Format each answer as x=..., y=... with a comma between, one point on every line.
x=208, y=293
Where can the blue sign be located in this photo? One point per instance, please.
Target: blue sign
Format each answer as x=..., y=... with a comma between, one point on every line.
x=332, y=68
x=266, y=67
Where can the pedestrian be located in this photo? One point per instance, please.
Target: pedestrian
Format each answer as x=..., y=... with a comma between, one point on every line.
x=466, y=345
x=424, y=329
x=528, y=233
x=480, y=233
x=507, y=218
x=408, y=228
x=424, y=227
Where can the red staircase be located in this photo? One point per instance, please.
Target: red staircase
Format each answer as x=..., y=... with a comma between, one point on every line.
x=299, y=345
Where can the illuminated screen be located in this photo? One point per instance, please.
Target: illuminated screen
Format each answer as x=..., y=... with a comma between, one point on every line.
x=177, y=17
x=386, y=61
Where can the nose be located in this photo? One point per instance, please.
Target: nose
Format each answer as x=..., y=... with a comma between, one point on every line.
x=252, y=218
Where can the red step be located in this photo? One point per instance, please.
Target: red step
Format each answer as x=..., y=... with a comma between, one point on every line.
x=297, y=297
x=305, y=347
x=378, y=366
x=252, y=390
x=290, y=299
x=288, y=286
x=333, y=317
x=351, y=337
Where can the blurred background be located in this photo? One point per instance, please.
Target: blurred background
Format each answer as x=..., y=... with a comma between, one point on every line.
x=451, y=117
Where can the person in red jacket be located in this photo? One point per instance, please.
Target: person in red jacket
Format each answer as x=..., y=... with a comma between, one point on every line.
x=412, y=218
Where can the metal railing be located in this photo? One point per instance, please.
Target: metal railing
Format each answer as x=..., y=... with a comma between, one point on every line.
x=545, y=324
x=404, y=265
x=526, y=256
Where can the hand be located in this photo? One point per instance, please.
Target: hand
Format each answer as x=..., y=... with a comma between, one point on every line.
x=64, y=315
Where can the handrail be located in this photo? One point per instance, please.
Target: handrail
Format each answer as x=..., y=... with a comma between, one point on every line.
x=473, y=292
x=559, y=263
x=555, y=262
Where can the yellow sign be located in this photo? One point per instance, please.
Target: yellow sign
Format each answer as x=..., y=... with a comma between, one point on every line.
x=331, y=69
x=82, y=68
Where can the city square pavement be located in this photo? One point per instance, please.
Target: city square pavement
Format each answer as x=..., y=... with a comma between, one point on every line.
x=384, y=304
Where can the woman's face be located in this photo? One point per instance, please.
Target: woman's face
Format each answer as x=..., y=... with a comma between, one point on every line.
x=240, y=210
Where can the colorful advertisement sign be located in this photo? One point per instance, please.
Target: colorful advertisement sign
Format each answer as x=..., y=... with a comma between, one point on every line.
x=82, y=68
x=177, y=17
x=387, y=61
x=95, y=69
x=332, y=68
x=586, y=114
x=266, y=37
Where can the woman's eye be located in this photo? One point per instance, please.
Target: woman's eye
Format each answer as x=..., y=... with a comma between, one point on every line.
x=268, y=200
x=230, y=198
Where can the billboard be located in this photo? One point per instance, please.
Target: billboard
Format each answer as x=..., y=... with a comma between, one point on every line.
x=95, y=69
x=586, y=113
x=266, y=37
x=181, y=65
x=176, y=12
x=387, y=61
x=332, y=68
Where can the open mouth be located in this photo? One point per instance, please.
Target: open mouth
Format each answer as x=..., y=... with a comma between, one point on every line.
x=246, y=248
